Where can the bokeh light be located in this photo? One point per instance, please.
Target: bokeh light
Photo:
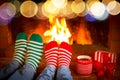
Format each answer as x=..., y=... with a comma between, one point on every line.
x=104, y=16
x=40, y=14
x=106, y=1
x=50, y=8
x=78, y=7
x=45, y=12
x=97, y=9
x=7, y=12
x=90, y=18
x=59, y=3
x=17, y=4
x=28, y=9
x=67, y=11
x=113, y=7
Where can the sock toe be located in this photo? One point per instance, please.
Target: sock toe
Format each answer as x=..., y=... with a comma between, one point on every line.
x=21, y=36
x=36, y=38
x=66, y=46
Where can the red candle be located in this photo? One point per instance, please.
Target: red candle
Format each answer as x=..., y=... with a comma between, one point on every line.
x=84, y=65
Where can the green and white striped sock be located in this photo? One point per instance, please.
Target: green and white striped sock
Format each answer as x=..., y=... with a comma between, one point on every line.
x=35, y=50
x=20, y=48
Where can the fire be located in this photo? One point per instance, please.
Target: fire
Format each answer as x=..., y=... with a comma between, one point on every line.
x=83, y=35
x=58, y=31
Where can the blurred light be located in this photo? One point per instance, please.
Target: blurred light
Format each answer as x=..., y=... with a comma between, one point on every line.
x=113, y=7
x=67, y=11
x=50, y=8
x=7, y=12
x=97, y=9
x=59, y=3
x=28, y=9
x=105, y=16
x=78, y=7
x=106, y=1
x=39, y=14
x=90, y=18
x=17, y=5
x=46, y=13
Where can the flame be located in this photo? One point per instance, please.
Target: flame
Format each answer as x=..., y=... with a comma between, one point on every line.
x=58, y=31
x=83, y=36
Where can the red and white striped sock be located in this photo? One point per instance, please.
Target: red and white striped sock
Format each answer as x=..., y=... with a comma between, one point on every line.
x=98, y=64
x=51, y=53
x=65, y=53
x=110, y=66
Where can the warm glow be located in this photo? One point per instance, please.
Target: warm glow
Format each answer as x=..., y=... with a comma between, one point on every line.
x=78, y=7
x=83, y=35
x=58, y=31
x=113, y=7
x=40, y=14
x=28, y=8
x=50, y=8
x=67, y=11
x=106, y=1
x=59, y=3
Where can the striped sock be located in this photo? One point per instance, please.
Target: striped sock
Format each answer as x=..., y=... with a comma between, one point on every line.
x=51, y=53
x=65, y=53
x=110, y=66
x=99, y=63
x=35, y=50
x=20, y=48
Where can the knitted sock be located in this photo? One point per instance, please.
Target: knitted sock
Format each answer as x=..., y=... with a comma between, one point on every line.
x=99, y=68
x=65, y=53
x=98, y=64
x=35, y=50
x=51, y=53
x=20, y=48
x=110, y=66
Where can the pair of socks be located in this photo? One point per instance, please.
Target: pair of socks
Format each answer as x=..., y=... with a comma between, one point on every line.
x=104, y=64
x=58, y=55
x=33, y=49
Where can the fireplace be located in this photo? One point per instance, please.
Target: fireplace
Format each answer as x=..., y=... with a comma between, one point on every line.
x=80, y=31
x=83, y=33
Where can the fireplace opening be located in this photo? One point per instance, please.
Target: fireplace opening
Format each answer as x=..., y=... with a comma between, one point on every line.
x=74, y=31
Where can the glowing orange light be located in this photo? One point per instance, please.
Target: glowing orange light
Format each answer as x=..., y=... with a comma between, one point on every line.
x=113, y=7
x=58, y=31
x=83, y=35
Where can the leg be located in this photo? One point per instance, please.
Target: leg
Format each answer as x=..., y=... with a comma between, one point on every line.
x=35, y=49
x=19, y=56
x=64, y=58
x=51, y=54
x=47, y=74
x=63, y=73
x=7, y=71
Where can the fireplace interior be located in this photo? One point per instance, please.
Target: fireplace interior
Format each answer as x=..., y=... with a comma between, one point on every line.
x=85, y=38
